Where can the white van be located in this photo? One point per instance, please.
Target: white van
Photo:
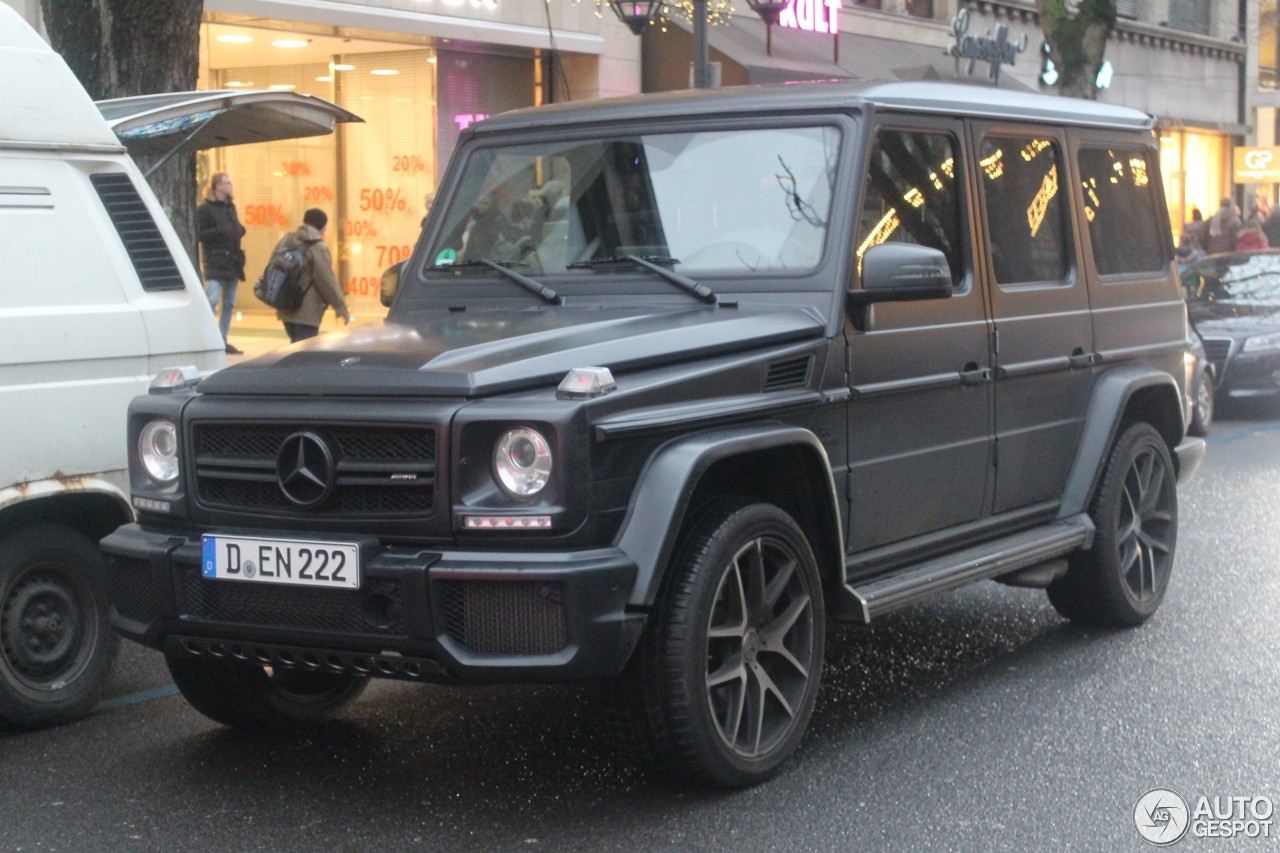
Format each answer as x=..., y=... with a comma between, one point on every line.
x=97, y=294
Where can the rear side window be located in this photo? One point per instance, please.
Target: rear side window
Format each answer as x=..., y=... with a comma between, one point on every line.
x=1021, y=181
x=1122, y=206
x=912, y=195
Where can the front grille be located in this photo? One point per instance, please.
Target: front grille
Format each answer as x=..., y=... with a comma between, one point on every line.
x=1217, y=350
x=382, y=471
x=130, y=588
x=376, y=609
x=504, y=617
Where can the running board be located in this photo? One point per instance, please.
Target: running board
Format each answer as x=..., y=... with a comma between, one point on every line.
x=877, y=596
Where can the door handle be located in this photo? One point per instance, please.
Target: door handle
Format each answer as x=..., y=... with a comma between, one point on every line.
x=973, y=375
x=1080, y=358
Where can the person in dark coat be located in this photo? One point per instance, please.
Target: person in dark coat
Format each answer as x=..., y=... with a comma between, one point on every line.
x=319, y=284
x=219, y=230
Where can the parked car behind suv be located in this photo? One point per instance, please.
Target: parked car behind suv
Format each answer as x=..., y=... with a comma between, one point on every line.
x=1234, y=303
x=772, y=357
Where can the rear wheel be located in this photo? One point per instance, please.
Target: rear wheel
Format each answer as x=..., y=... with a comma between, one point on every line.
x=56, y=646
x=250, y=696
x=729, y=668
x=1122, y=579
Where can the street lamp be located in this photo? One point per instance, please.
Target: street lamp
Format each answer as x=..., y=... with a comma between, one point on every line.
x=770, y=11
x=636, y=14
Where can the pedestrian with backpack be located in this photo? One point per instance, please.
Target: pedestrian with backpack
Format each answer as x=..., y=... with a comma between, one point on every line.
x=219, y=230
x=319, y=285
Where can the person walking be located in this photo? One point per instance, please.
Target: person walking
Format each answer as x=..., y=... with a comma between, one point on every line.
x=1223, y=228
x=320, y=286
x=219, y=229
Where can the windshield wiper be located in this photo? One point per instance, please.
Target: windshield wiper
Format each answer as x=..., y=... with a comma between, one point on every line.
x=535, y=287
x=699, y=291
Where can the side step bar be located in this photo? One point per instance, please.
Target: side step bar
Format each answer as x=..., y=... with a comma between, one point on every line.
x=867, y=599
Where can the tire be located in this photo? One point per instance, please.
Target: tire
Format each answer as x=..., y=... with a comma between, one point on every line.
x=56, y=644
x=1202, y=410
x=728, y=671
x=1122, y=579
x=248, y=696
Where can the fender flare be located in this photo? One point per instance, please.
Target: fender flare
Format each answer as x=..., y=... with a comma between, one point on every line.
x=17, y=500
x=667, y=482
x=1111, y=395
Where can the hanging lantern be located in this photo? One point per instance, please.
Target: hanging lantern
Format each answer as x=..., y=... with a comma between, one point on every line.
x=770, y=11
x=636, y=14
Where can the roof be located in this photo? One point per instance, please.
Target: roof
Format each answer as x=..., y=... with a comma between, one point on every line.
x=940, y=98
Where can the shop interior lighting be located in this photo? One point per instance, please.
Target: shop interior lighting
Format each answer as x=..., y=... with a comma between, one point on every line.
x=342, y=66
x=383, y=72
x=282, y=87
x=291, y=43
x=238, y=84
x=232, y=38
x=325, y=78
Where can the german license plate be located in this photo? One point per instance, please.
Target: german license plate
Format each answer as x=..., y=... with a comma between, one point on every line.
x=330, y=565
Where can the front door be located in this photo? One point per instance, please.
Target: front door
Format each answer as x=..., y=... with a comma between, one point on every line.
x=920, y=414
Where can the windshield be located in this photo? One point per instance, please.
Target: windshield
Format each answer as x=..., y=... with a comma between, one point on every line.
x=720, y=203
x=1236, y=284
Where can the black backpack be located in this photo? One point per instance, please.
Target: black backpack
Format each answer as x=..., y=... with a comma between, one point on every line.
x=280, y=284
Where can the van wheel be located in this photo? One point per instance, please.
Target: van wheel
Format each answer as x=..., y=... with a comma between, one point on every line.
x=730, y=664
x=1202, y=413
x=1122, y=579
x=247, y=696
x=56, y=646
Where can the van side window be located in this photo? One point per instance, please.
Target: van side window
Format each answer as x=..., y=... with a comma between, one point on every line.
x=1021, y=182
x=1120, y=202
x=912, y=195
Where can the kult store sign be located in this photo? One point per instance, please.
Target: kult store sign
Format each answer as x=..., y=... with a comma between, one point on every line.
x=1257, y=165
x=813, y=16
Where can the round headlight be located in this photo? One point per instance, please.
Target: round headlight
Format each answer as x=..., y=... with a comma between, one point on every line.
x=158, y=451
x=522, y=462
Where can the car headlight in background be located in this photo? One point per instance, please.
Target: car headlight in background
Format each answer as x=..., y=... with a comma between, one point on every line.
x=522, y=462
x=1259, y=343
x=158, y=451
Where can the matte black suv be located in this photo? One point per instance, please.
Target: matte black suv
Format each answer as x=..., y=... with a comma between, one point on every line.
x=668, y=383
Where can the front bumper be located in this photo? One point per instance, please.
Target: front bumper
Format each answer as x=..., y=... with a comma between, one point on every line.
x=419, y=614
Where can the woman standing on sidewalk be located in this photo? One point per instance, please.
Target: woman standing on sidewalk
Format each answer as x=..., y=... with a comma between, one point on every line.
x=220, y=232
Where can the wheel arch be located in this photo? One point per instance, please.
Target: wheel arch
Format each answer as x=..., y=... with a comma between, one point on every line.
x=1121, y=396
x=94, y=507
x=779, y=464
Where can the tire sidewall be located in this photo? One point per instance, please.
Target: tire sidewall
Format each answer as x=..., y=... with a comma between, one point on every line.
x=692, y=599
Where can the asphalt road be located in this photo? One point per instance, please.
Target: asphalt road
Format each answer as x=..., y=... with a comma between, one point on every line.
x=979, y=721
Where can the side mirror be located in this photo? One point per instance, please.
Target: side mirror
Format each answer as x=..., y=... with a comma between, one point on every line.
x=390, y=283
x=901, y=272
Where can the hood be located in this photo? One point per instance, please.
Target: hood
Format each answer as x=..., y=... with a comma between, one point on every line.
x=1234, y=321
x=479, y=353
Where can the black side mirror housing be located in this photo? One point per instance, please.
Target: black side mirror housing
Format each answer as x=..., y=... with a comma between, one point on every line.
x=901, y=272
x=390, y=283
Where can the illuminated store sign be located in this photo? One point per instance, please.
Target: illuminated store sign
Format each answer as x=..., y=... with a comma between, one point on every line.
x=814, y=16
x=994, y=49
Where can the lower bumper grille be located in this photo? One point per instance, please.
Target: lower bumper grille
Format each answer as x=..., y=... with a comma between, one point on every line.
x=505, y=618
x=376, y=609
x=307, y=659
x=131, y=589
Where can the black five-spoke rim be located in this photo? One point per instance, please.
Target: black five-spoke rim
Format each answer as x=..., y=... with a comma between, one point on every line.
x=1144, y=534
x=760, y=647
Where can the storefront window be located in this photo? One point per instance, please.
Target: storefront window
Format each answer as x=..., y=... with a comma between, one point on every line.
x=1192, y=165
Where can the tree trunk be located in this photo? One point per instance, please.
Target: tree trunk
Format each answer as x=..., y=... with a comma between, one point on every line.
x=1077, y=42
x=119, y=48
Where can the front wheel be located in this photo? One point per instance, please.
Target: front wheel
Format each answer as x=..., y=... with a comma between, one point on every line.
x=1202, y=409
x=249, y=696
x=1122, y=579
x=56, y=647
x=730, y=664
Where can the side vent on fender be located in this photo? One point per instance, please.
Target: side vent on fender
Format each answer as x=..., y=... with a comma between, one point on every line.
x=792, y=373
x=147, y=249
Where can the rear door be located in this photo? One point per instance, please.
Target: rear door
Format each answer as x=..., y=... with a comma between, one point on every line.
x=1040, y=311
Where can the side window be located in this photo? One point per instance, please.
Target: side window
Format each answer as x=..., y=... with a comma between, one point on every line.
x=912, y=195
x=1120, y=202
x=1026, y=220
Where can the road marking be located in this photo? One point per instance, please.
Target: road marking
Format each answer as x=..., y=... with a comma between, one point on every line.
x=135, y=698
x=1243, y=433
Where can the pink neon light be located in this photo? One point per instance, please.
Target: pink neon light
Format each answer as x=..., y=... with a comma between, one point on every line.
x=465, y=120
x=814, y=16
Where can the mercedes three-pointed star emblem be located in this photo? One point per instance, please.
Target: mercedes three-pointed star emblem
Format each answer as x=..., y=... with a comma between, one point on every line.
x=305, y=469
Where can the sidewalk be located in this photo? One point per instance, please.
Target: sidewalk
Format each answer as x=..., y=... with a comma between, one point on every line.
x=258, y=332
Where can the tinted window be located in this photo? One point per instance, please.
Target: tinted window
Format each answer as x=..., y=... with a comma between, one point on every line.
x=1121, y=205
x=912, y=195
x=1026, y=217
